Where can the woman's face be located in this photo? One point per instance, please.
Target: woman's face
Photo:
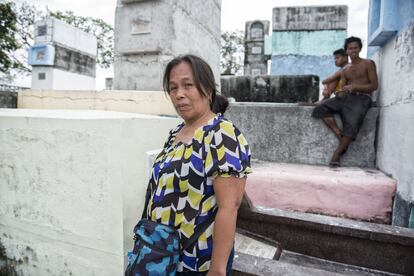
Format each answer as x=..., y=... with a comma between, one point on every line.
x=186, y=98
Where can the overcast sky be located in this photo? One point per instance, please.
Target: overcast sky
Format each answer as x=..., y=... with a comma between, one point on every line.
x=234, y=14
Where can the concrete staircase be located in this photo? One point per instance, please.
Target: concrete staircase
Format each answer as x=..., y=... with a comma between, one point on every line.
x=334, y=215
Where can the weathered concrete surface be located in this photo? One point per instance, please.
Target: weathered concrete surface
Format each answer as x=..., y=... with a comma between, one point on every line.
x=321, y=66
x=144, y=102
x=75, y=61
x=8, y=99
x=265, y=88
x=395, y=155
x=310, y=18
x=150, y=33
x=291, y=263
x=375, y=246
x=343, y=192
x=287, y=133
x=72, y=186
x=304, y=38
x=319, y=43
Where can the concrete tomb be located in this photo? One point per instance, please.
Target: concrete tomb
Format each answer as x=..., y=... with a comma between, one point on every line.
x=62, y=57
x=274, y=89
x=304, y=38
x=255, y=58
x=150, y=33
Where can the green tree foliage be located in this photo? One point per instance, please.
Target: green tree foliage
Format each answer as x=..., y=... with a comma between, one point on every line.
x=8, y=42
x=232, y=52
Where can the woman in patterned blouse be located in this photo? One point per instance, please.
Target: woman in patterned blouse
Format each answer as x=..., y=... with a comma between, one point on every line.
x=202, y=167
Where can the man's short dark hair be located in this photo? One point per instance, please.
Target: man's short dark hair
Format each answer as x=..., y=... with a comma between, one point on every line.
x=340, y=52
x=352, y=39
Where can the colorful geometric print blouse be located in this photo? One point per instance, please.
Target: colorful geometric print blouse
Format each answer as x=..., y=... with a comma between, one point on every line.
x=181, y=183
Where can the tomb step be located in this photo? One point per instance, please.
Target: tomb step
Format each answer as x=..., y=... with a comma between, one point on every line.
x=364, y=244
x=291, y=263
x=349, y=192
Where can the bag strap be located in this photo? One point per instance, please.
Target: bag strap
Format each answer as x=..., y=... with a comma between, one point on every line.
x=200, y=230
x=147, y=197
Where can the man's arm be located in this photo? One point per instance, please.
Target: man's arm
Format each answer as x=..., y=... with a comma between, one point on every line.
x=332, y=78
x=344, y=80
x=372, y=80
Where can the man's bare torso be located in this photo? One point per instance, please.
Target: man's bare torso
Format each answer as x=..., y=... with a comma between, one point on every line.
x=359, y=73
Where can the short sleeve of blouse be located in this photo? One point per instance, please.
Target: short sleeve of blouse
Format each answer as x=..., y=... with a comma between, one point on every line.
x=227, y=151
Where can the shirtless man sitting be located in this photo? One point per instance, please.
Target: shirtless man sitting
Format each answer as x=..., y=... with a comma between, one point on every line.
x=359, y=79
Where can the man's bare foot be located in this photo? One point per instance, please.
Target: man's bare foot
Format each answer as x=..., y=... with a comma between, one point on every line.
x=335, y=160
x=334, y=164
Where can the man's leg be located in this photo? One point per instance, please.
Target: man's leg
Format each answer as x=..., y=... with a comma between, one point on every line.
x=325, y=112
x=356, y=106
x=340, y=150
x=331, y=123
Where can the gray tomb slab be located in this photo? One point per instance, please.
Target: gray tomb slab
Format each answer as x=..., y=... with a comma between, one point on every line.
x=288, y=133
x=266, y=88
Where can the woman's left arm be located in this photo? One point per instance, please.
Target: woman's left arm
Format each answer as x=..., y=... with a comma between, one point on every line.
x=229, y=194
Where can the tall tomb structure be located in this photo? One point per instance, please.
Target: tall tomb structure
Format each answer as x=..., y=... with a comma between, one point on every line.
x=149, y=33
x=62, y=57
x=255, y=58
x=304, y=38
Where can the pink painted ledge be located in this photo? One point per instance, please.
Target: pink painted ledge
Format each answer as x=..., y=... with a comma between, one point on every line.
x=361, y=194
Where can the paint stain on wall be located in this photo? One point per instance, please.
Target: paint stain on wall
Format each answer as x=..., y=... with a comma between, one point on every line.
x=404, y=47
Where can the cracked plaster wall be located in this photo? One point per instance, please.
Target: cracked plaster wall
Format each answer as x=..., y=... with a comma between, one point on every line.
x=144, y=102
x=72, y=186
x=395, y=153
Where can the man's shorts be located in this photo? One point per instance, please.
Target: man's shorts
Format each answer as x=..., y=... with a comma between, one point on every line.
x=352, y=107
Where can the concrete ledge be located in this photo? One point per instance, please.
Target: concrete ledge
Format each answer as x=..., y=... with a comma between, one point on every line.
x=344, y=192
x=144, y=102
x=72, y=187
x=287, y=133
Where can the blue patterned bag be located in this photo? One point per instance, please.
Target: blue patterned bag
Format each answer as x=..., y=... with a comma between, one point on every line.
x=156, y=250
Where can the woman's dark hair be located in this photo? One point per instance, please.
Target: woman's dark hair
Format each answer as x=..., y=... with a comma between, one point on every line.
x=220, y=104
x=203, y=75
x=352, y=39
x=340, y=52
